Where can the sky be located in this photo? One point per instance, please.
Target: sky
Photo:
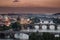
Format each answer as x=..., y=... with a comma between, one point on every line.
x=30, y=3
x=28, y=6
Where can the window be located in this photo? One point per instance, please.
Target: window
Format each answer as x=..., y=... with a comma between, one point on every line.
x=44, y=27
x=52, y=27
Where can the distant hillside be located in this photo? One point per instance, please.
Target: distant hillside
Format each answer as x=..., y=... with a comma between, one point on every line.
x=56, y=14
x=30, y=10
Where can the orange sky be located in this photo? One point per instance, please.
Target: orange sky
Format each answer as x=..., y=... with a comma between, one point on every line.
x=30, y=3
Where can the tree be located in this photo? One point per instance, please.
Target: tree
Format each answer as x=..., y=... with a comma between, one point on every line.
x=56, y=20
x=36, y=20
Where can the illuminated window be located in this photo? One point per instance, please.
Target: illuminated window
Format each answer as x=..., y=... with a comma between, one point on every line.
x=58, y=27
x=57, y=35
x=22, y=36
x=46, y=22
x=51, y=22
x=52, y=27
x=36, y=26
x=44, y=27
